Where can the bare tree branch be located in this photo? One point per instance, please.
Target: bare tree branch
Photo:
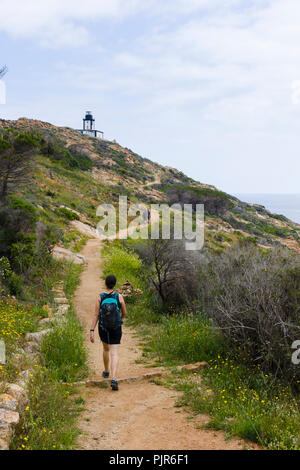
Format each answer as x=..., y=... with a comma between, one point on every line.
x=3, y=71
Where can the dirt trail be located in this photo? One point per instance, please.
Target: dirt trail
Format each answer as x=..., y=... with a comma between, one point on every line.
x=141, y=415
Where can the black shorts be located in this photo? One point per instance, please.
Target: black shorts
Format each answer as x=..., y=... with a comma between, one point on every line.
x=111, y=336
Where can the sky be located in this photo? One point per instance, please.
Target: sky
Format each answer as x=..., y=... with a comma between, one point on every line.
x=211, y=87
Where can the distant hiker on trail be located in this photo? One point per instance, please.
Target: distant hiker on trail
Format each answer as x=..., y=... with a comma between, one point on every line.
x=145, y=215
x=109, y=318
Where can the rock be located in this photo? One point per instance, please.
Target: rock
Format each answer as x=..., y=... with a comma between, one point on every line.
x=128, y=290
x=61, y=300
x=18, y=393
x=45, y=321
x=62, y=309
x=9, y=417
x=32, y=347
x=59, y=293
x=8, y=402
x=5, y=436
x=63, y=253
x=194, y=367
x=85, y=229
x=38, y=336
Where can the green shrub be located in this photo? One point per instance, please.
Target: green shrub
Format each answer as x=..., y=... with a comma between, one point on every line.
x=71, y=278
x=67, y=214
x=15, y=320
x=49, y=420
x=68, y=158
x=63, y=351
x=123, y=264
x=187, y=339
x=253, y=297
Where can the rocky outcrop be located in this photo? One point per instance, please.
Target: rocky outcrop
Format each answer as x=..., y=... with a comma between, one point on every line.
x=85, y=229
x=62, y=253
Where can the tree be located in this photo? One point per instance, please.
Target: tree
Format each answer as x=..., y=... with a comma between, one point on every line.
x=16, y=153
x=172, y=270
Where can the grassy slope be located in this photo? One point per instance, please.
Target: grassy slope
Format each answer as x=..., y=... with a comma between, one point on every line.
x=113, y=170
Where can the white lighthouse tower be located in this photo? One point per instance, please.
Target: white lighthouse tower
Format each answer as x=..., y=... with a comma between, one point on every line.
x=89, y=127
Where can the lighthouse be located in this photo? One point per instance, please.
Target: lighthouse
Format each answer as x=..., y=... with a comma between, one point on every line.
x=89, y=127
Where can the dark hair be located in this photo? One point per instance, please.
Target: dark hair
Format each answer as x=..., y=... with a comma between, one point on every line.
x=111, y=281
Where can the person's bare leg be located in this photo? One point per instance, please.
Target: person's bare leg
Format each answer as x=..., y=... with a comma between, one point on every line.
x=114, y=357
x=106, y=348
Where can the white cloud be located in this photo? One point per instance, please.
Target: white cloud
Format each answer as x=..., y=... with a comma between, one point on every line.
x=65, y=22
x=57, y=22
x=237, y=64
x=236, y=59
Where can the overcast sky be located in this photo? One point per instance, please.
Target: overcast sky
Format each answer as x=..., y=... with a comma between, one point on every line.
x=211, y=87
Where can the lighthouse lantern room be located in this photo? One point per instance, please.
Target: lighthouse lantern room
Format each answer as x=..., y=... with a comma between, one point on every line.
x=89, y=127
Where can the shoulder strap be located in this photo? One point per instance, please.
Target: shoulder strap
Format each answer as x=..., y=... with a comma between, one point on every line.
x=118, y=299
x=114, y=295
x=102, y=296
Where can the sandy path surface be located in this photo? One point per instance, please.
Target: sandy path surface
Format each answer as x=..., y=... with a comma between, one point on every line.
x=141, y=415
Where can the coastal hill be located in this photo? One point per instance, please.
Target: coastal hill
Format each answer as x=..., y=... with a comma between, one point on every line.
x=74, y=173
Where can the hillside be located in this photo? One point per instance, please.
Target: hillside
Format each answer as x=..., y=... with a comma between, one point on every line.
x=79, y=173
x=239, y=320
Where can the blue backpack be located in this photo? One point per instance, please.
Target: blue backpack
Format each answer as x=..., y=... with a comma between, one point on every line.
x=109, y=315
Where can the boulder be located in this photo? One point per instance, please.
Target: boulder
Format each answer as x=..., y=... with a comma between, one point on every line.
x=38, y=336
x=45, y=321
x=9, y=417
x=5, y=436
x=7, y=402
x=62, y=253
x=61, y=300
x=32, y=348
x=18, y=393
x=62, y=309
x=85, y=229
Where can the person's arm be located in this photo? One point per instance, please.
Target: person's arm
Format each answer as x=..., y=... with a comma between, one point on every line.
x=95, y=320
x=123, y=305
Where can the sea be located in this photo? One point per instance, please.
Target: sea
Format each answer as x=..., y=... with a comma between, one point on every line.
x=281, y=204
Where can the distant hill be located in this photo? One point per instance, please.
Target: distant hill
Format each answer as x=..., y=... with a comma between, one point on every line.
x=75, y=173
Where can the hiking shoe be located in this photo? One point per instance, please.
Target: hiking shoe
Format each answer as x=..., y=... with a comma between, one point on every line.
x=105, y=374
x=114, y=385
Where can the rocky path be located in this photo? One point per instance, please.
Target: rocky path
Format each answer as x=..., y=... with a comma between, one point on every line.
x=141, y=415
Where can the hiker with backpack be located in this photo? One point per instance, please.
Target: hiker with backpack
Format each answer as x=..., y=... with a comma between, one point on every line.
x=109, y=305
